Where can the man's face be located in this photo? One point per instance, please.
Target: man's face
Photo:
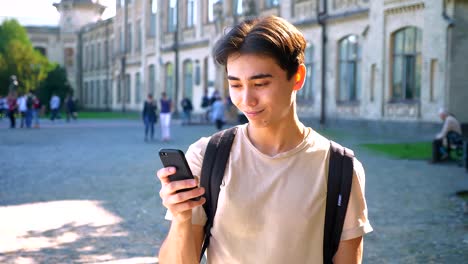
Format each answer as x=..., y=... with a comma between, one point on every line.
x=260, y=89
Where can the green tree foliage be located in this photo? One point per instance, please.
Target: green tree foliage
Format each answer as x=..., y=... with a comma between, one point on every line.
x=56, y=82
x=18, y=57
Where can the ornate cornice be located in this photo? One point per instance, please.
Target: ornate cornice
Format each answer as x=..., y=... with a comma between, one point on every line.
x=404, y=9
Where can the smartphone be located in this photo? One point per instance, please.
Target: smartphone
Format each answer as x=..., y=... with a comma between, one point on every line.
x=176, y=158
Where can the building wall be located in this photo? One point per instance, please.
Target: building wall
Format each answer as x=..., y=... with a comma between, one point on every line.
x=458, y=39
x=443, y=67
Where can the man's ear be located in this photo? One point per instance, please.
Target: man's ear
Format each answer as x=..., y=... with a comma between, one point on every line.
x=299, y=77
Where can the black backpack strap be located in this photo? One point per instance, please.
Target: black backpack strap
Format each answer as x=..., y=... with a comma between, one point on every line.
x=214, y=164
x=340, y=177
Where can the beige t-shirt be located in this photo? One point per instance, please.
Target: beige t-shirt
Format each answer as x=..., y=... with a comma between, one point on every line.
x=272, y=209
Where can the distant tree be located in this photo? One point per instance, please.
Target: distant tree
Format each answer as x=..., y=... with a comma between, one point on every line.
x=18, y=57
x=56, y=82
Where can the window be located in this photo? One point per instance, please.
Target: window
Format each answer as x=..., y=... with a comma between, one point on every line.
x=213, y=9
x=91, y=93
x=41, y=50
x=129, y=39
x=433, y=79
x=137, y=88
x=191, y=13
x=172, y=16
x=98, y=93
x=307, y=91
x=98, y=55
x=271, y=3
x=349, y=69
x=128, y=83
x=139, y=36
x=86, y=57
x=237, y=5
x=169, y=80
x=105, y=88
x=119, y=89
x=406, y=68
x=151, y=79
x=121, y=40
x=188, y=79
x=373, y=81
x=152, y=20
x=69, y=55
x=93, y=57
x=85, y=93
x=106, y=53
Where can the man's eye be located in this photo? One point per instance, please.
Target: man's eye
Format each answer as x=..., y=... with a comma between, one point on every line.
x=261, y=84
x=235, y=85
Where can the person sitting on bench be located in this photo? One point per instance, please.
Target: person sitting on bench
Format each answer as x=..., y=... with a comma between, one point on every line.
x=440, y=145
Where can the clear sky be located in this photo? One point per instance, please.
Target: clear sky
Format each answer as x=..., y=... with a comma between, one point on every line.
x=40, y=12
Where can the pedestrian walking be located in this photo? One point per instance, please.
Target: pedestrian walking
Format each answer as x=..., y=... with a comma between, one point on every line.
x=54, y=106
x=70, y=108
x=149, y=115
x=36, y=110
x=205, y=105
x=165, y=117
x=3, y=107
x=272, y=205
x=187, y=109
x=22, y=108
x=12, y=108
x=218, y=109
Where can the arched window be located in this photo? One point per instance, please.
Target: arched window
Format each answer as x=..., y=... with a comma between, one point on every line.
x=169, y=80
x=349, y=69
x=188, y=79
x=307, y=91
x=406, y=68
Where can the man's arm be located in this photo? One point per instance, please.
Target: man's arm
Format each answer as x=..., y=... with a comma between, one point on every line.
x=183, y=244
x=349, y=251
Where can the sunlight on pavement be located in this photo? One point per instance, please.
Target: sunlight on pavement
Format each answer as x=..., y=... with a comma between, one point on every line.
x=146, y=260
x=35, y=226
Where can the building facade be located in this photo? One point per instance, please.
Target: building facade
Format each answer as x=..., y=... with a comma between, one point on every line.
x=375, y=60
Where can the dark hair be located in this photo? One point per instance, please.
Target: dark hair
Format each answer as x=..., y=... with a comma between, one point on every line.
x=271, y=36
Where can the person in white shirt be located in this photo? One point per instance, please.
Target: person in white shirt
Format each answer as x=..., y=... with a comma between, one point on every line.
x=54, y=107
x=22, y=108
x=440, y=144
x=271, y=205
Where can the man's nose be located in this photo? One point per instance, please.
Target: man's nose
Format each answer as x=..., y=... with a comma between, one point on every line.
x=249, y=97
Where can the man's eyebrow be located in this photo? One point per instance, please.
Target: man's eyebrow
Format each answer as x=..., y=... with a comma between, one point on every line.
x=257, y=76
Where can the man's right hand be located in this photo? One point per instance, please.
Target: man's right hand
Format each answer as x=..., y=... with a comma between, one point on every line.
x=179, y=204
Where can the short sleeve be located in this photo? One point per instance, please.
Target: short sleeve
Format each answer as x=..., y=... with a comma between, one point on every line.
x=356, y=223
x=194, y=156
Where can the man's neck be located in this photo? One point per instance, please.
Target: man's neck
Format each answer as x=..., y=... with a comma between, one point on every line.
x=277, y=138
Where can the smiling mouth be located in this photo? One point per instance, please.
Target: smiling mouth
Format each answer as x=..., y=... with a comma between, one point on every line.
x=253, y=113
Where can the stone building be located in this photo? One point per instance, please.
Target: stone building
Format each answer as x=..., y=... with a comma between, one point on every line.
x=61, y=44
x=366, y=60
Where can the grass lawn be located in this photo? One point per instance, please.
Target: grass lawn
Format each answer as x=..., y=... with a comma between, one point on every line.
x=108, y=115
x=413, y=151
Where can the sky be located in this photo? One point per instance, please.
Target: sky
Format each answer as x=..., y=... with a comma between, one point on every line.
x=40, y=12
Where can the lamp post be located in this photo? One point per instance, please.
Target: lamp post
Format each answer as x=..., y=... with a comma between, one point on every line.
x=13, y=84
x=123, y=77
x=176, y=58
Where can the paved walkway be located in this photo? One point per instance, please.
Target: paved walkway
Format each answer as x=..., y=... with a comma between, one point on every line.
x=85, y=192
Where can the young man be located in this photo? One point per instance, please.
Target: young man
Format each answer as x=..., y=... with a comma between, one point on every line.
x=271, y=206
